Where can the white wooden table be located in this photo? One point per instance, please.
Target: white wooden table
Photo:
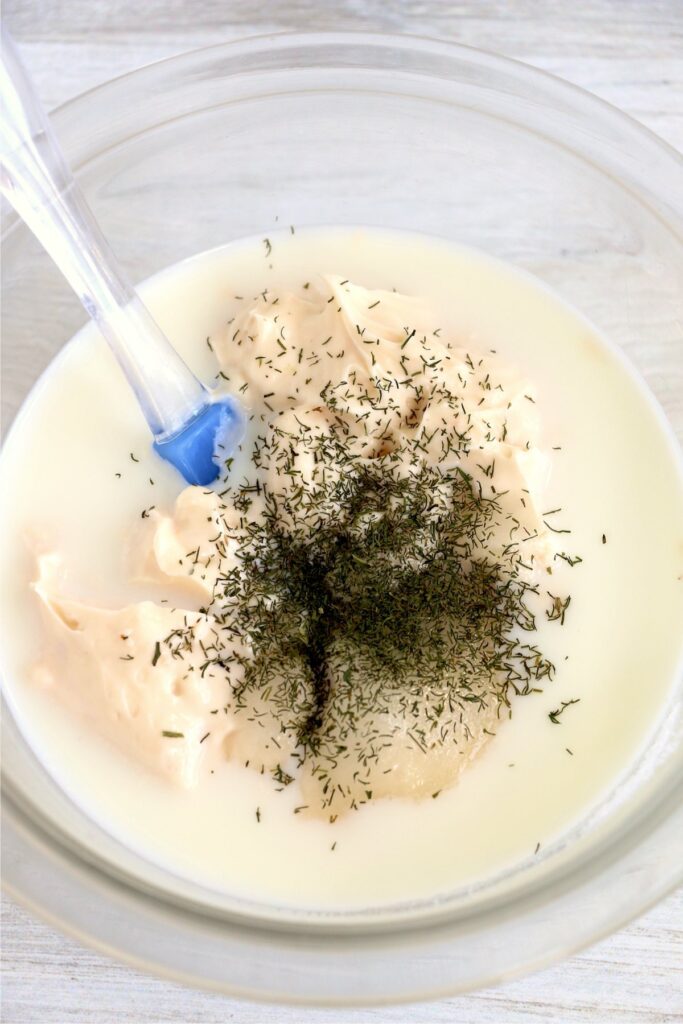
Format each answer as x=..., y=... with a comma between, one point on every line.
x=629, y=52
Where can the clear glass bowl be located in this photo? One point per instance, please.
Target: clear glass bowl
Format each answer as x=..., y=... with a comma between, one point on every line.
x=404, y=133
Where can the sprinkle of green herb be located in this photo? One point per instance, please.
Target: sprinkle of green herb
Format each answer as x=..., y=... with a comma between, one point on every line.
x=558, y=609
x=281, y=777
x=368, y=596
x=571, y=560
x=554, y=716
x=554, y=529
x=358, y=627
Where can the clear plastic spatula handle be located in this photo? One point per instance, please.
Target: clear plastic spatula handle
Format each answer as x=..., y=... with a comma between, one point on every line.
x=36, y=180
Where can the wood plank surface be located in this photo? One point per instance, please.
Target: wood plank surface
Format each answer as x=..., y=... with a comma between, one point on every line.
x=630, y=53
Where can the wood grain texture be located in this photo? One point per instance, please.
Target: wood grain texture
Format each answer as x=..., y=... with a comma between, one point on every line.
x=630, y=53
x=635, y=977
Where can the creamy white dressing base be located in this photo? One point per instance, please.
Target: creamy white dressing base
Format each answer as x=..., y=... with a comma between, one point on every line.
x=615, y=475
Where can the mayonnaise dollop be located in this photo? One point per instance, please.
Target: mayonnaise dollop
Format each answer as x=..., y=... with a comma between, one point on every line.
x=336, y=364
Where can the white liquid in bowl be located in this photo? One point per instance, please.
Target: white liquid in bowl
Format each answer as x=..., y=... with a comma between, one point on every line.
x=614, y=475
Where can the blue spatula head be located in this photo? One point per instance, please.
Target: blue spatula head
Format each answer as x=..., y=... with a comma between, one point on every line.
x=36, y=179
x=200, y=448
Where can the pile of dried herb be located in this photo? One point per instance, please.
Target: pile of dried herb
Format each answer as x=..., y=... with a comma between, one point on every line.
x=390, y=611
x=381, y=598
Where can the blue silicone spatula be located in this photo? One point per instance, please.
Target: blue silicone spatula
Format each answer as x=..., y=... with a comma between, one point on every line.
x=186, y=422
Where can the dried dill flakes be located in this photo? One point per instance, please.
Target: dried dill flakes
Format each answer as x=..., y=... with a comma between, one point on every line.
x=169, y=734
x=157, y=653
x=558, y=609
x=374, y=597
x=554, y=529
x=554, y=716
x=281, y=777
x=386, y=608
x=571, y=560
